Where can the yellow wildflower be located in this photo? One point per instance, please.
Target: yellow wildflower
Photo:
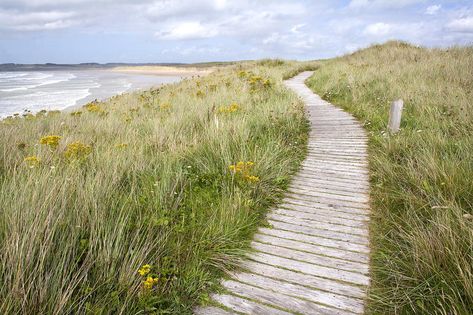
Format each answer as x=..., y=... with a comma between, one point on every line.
x=165, y=106
x=52, y=141
x=32, y=161
x=93, y=107
x=252, y=178
x=121, y=145
x=54, y=112
x=244, y=170
x=199, y=93
x=240, y=165
x=150, y=282
x=29, y=116
x=242, y=74
x=77, y=150
x=229, y=109
x=144, y=270
x=77, y=113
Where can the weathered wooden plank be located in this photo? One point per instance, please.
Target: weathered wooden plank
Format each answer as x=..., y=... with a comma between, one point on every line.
x=315, y=270
x=323, y=284
x=280, y=300
x=308, y=179
x=350, y=182
x=321, y=217
x=325, y=212
x=313, y=154
x=310, y=230
x=332, y=174
x=311, y=248
x=325, y=206
x=290, y=289
x=310, y=258
x=319, y=225
x=313, y=191
x=334, y=171
x=328, y=200
x=347, y=162
x=335, y=165
x=316, y=240
x=245, y=306
x=212, y=310
x=335, y=188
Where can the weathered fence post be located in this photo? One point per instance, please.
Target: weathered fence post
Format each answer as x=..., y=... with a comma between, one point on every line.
x=395, y=116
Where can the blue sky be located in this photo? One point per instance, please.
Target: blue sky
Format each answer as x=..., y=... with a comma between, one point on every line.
x=72, y=31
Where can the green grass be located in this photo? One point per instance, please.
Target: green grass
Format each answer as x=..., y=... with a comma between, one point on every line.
x=422, y=178
x=148, y=183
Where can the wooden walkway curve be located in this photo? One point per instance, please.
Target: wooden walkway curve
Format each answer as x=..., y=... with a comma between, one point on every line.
x=314, y=259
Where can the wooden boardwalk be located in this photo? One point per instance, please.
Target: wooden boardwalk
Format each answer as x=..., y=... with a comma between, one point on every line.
x=314, y=259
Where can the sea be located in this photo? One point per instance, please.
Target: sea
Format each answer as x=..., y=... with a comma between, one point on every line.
x=32, y=91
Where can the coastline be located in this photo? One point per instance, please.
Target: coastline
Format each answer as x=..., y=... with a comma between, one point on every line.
x=164, y=70
x=141, y=78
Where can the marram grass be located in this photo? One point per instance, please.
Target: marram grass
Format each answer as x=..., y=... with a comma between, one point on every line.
x=421, y=178
x=137, y=204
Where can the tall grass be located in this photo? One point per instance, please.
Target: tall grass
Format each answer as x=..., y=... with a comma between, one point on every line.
x=148, y=183
x=422, y=187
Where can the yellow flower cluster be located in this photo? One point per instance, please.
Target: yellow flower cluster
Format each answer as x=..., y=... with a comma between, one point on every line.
x=257, y=82
x=144, y=270
x=32, y=161
x=199, y=93
x=150, y=281
x=229, y=109
x=77, y=113
x=242, y=74
x=52, y=141
x=244, y=169
x=165, y=106
x=93, y=107
x=77, y=150
x=252, y=178
x=121, y=145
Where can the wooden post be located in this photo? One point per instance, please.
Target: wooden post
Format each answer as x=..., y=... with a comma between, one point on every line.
x=395, y=116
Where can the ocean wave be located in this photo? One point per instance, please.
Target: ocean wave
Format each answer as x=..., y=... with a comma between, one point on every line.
x=41, y=100
x=14, y=89
x=32, y=80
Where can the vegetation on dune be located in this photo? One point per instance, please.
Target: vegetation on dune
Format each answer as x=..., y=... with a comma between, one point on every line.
x=137, y=204
x=422, y=187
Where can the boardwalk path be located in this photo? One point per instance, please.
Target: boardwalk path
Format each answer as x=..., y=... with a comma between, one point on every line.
x=314, y=259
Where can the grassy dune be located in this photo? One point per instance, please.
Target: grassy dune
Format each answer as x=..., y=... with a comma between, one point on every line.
x=143, y=179
x=422, y=178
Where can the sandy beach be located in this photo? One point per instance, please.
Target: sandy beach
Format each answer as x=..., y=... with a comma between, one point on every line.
x=165, y=70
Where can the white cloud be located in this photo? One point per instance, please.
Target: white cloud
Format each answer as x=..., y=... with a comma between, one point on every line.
x=379, y=4
x=188, y=30
x=433, y=9
x=33, y=21
x=192, y=50
x=462, y=25
x=378, y=29
x=297, y=28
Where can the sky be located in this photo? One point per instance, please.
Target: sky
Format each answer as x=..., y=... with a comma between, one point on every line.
x=138, y=31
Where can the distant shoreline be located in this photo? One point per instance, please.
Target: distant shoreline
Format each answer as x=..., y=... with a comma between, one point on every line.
x=164, y=70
